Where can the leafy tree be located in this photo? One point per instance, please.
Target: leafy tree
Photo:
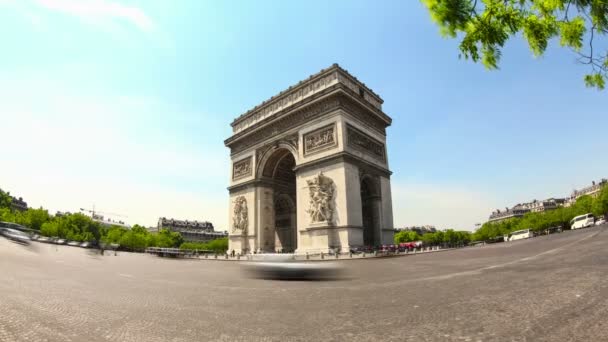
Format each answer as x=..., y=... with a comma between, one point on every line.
x=406, y=236
x=7, y=215
x=486, y=25
x=114, y=234
x=33, y=218
x=5, y=199
x=583, y=205
x=600, y=204
x=167, y=238
x=134, y=240
x=217, y=245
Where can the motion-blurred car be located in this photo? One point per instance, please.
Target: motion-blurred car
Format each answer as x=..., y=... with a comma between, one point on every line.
x=43, y=239
x=86, y=245
x=600, y=221
x=15, y=235
x=74, y=243
x=60, y=241
x=361, y=249
x=284, y=267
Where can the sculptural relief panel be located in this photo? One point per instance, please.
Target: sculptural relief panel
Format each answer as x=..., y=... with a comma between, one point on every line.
x=321, y=139
x=321, y=191
x=240, y=216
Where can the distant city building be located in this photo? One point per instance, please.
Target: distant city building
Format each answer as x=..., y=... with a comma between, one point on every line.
x=548, y=204
x=192, y=231
x=420, y=230
x=18, y=204
x=517, y=211
x=521, y=209
x=593, y=190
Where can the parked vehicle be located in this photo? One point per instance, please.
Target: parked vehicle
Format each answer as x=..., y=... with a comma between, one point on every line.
x=86, y=245
x=60, y=241
x=74, y=243
x=600, y=221
x=15, y=235
x=582, y=221
x=520, y=234
x=408, y=246
x=361, y=249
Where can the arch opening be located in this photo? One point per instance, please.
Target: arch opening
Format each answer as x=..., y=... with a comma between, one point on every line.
x=279, y=171
x=370, y=203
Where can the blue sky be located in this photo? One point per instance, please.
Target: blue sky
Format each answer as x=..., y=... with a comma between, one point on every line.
x=125, y=104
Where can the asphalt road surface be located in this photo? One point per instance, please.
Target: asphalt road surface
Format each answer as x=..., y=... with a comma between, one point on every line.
x=551, y=288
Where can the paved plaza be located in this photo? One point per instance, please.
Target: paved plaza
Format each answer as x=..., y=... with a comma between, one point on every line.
x=551, y=288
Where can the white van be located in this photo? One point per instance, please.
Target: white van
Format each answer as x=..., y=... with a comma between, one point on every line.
x=520, y=234
x=582, y=221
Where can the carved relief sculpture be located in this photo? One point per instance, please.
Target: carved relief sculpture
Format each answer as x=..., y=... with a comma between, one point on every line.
x=365, y=143
x=321, y=206
x=241, y=168
x=320, y=139
x=240, y=220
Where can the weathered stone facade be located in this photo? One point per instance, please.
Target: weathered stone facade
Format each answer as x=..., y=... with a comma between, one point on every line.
x=310, y=166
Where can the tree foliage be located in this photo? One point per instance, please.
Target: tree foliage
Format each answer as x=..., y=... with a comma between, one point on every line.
x=486, y=25
x=539, y=221
x=406, y=236
x=448, y=238
x=5, y=200
x=217, y=245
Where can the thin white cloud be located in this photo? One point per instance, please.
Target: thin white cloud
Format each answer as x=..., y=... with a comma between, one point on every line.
x=100, y=11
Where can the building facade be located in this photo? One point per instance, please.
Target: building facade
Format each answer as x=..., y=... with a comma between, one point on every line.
x=191, y=231
x=420, y=230
x=593, y=190
x=309, y=170
x=18, y=204
x=521, y=209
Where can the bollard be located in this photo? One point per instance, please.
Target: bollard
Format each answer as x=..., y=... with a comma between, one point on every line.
x=215, y=255
x=206, y=256
x=350, y=254
x=363, y=256
x=375, y=253
x=226, y=256
x=238, y=256
x=307, y=256
x=322, y=256
x=337, y=255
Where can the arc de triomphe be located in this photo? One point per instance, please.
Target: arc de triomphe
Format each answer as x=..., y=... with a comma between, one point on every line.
x=309, y=169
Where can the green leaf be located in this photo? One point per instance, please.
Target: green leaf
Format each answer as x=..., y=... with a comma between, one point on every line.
x=572, y=33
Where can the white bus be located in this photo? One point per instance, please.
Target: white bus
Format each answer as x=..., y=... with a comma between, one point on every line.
x=520, y=234
x=582, y=221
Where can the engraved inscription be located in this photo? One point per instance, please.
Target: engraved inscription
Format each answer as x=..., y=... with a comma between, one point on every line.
x=241, y=169
x=365, y=143
x=320, y=139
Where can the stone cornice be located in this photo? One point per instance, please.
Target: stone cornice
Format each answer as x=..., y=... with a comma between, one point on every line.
x=335, y=97
x=344, y=156
x=303, y=90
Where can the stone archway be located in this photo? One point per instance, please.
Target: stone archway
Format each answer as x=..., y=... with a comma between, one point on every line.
x=371, y=201
x=297, y=162
x=278, y=172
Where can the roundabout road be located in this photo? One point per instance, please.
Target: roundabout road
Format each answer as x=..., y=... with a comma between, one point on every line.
x=548, y=288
